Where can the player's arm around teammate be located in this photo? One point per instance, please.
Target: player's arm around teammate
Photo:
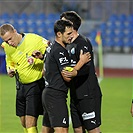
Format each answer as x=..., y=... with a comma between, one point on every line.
x=56, y=59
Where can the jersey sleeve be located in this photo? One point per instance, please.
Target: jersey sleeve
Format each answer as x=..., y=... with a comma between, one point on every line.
x=41, y=46
x=9, y=62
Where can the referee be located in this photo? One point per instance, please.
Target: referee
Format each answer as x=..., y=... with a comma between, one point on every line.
x=28, y=72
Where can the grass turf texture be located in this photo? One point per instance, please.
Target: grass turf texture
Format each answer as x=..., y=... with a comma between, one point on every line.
x=116, y=117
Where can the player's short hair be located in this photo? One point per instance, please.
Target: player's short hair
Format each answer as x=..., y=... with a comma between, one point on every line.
x=60, y=25
x=5, y=28
x=73, y=17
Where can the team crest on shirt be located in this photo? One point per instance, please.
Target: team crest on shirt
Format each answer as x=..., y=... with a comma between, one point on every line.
x=73, y=51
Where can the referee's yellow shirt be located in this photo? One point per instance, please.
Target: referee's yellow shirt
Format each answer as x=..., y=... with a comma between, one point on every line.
x=17, y=57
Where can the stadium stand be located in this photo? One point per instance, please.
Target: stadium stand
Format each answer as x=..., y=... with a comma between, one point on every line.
x=38, y=23
x=2, y=63
x=116, y=32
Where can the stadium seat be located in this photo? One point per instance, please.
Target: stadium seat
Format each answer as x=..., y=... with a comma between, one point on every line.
x=5, y=16
x=130, y=26
x=93, y=42
x=111, y=25
x=103, y=27
x=110, y=33
x=1, y=41
x=122, y=18
x=113, y=18
x=130, y=18
x=41, y=28
x=2, y=64
x=41, y=24
x=41, y=16
x=50, y=34
x=52, y=17
x=109, y=42
x=130, y=34
x=92, y=35
x=15, y=16
x=117, y=32
x=120, y=25
x=128, y=45
x=103, y=34
x=128, y=42
x=22, y=27
x=119, y=42
x=32, y=27
x=120, y=34
x=32, y=17
x=23, y=16
x=44, y=34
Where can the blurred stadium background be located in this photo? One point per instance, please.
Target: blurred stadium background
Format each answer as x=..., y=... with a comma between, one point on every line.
x=114, y=20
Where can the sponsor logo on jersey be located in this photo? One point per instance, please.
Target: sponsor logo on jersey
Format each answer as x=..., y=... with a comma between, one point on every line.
x=85, y=47
x=61, y=53
x=94, y=122
x=63, y=60
x=87, y=116
x=73, y=62
x=46, y=83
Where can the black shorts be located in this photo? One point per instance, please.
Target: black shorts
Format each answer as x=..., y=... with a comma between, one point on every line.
x=86, y=112
x=55, y=108
x=28, y=99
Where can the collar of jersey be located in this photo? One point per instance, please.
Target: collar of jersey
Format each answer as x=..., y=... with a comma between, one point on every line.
x=22, y=39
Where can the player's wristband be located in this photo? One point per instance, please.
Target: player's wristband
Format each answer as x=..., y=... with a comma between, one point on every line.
x=132, y=100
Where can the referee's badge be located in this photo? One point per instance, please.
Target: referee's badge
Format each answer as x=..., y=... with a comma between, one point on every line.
x=30, y=60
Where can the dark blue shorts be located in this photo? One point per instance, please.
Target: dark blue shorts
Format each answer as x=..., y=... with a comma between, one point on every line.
x=28, y=99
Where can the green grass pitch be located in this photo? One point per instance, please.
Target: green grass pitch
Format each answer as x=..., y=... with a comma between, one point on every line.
x=116, y=103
